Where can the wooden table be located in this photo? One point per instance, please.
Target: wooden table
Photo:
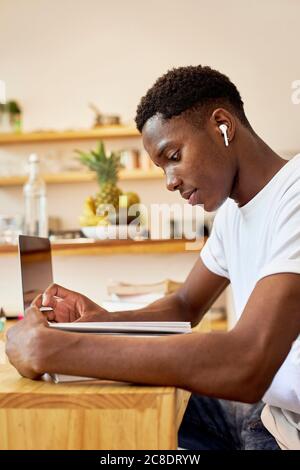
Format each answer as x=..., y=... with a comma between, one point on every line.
x=92, y=415
x=102, y=415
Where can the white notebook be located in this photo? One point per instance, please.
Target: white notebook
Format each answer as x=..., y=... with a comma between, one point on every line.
x=140, y=329
x=144, y=327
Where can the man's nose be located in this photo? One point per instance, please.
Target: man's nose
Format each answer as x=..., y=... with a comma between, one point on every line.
x=173, y=182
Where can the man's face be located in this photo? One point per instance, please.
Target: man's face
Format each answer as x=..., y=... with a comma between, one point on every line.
x=193, y=160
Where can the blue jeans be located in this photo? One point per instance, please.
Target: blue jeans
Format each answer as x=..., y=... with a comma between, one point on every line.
x=213, y=424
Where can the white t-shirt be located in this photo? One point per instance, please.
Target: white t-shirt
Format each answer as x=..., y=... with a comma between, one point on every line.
x=259, y=239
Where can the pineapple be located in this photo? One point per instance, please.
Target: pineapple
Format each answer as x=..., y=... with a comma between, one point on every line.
x=109, y=194
x=107, y=168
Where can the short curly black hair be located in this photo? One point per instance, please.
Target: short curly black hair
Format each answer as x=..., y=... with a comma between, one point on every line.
x=189, y=88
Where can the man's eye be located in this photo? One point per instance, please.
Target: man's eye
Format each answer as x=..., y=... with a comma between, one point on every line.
x=175, y=157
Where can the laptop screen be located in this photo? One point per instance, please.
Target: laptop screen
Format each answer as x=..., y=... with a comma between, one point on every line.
x=36, y=266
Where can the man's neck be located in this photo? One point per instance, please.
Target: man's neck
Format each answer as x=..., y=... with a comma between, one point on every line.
x=257, y=164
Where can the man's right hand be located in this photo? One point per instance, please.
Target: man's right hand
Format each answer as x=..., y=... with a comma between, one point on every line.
x=69, y=306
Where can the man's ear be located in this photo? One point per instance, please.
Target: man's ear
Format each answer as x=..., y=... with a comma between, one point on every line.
x=221, y=116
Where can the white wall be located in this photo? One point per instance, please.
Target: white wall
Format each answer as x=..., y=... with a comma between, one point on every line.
x=58, y=55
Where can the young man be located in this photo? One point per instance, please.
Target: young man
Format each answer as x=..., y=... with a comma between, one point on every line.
x=254, y=244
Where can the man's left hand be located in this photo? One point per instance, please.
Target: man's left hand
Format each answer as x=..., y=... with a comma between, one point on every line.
x=24, y=341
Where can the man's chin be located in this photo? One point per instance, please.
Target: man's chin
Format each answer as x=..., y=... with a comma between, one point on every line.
x=212, y=206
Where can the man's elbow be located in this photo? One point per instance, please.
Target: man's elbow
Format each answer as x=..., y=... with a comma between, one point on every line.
x=253, y=383
x=252, y=395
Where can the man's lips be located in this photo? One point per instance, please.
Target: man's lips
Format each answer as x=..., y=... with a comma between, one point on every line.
x=187, y=194
x=191, y=196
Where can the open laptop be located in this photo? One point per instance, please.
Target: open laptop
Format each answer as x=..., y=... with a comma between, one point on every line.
x=36, y=267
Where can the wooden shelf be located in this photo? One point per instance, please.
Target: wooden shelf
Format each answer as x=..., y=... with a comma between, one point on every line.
x=81, y=177
x=115, y=247
x=104, y=132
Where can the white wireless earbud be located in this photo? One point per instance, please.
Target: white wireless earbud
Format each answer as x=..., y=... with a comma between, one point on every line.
x=223, y=128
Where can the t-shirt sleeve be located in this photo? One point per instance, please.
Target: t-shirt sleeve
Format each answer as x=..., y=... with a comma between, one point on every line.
x=285, y=244
x=213, y=253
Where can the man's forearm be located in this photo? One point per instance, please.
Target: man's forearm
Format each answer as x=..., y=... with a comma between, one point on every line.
x=210, y=364
x=169, y=308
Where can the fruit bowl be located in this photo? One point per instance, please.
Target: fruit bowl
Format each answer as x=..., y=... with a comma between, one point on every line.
x=109, y=232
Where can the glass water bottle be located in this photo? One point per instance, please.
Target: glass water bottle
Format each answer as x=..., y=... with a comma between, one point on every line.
x=35, y=217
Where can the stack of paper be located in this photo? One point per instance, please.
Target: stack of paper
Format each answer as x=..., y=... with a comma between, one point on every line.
x=120, y=304
x=124, y=289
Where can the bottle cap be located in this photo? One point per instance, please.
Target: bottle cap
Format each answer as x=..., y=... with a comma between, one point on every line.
x=33, y=158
